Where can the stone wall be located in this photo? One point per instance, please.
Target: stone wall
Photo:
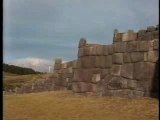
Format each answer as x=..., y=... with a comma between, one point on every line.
x=126, y=68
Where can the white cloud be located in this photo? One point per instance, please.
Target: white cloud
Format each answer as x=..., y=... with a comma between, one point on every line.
x=37, y=64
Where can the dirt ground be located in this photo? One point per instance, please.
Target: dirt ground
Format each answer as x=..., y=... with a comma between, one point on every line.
x=64, y=105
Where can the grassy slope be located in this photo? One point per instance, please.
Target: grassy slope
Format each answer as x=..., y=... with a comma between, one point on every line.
x=13, y=80
x=66, y=106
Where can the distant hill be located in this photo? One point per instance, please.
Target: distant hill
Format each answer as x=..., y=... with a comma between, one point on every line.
x=18, y=70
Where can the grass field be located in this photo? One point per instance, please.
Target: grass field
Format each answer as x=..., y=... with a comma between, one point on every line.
x=12, y=80
x=64, y=105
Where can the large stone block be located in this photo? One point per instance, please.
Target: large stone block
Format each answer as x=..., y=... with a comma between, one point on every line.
x=97, y=63
x=57, y=66
x=129, y=36
x=137, y=93
x=82, y=75
x=141, y=33
x=156, y=44
x=153, y=56
x=108, y=62
x=155, y=34
x=82, y=42
x=99, y=50
x=103, y=60
x=69, y=70
x=144, y=71
x=151, y=45
x=110, y=49
x=85, y=51
x=137, y=56
x=116, y=70
x=145, y=56
x=120, y=47
x=91, y=51
x=126, y=58
x=144, y=86
x=80, y=52
x=132, y=84
x=64, y=65
x=151, y=28
x=124, y=93
x=117, y=83
x=96, y=78
x=143, y=46
x=81, y=87
x=132, y=46
x=95, y=88
x=105, y=50
x=108, y=77
x=104, y=72
x=127, y=70
x=118, y=37
x=118, y=58
x=87, y=62
x=148, y=36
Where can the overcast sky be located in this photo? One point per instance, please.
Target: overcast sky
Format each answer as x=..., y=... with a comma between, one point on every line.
x=46, y=29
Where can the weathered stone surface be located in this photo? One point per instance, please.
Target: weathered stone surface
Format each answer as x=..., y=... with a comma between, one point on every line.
x=105, y=50
x=81, y=87
x=155, y=34
x=143, y=46
x=147, y=36
x=91, y=51
x=116, y=69
x=108, y=77
x=82, y=42
x=99, y=50
x=82, y=75
x=64, y=65
x=96, y=78
x=132, y=46
x=57, y=66
x=145, y=56
x=126, y=58
x=137, y=93
x=80, y=52
x=86, y=51
x=118, y=37
x=118, y=58
x=117, y=83
x=144, y=86
x=141, y=33
x=95, y=88
x=97, y=61
x=129, y=36
x=132, y=84
x=151, y=28
x=120, y=47
x=69, y=70
x=137, y=56
x=151, y=45
x=125, y=93
x=153, y=56
x=156, y=44
x=104, y=72
x=88, y=61
x=110, y=49
x=127, y=70
x=108, y=62
x=144, y=71
x=103, y=60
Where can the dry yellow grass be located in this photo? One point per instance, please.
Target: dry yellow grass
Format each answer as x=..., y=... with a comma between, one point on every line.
x=64, y=105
